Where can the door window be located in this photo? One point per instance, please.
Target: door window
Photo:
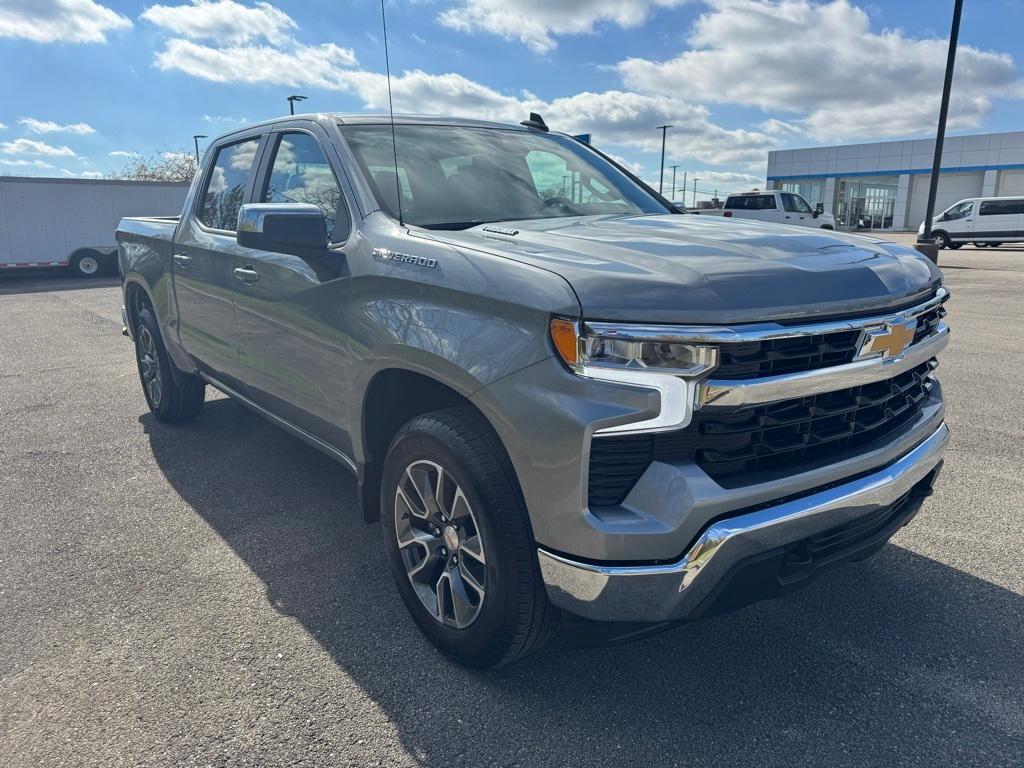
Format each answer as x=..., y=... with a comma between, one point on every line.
x=226, y=185
x=300, y=173
x=961, y=211
x=795, y=203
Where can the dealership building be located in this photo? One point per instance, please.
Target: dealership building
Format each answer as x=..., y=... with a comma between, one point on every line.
x=885, y=185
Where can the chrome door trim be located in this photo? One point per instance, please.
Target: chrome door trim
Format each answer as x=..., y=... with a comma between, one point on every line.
x=286, y=425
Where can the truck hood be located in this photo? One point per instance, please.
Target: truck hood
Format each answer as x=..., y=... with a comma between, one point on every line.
x=705, y=269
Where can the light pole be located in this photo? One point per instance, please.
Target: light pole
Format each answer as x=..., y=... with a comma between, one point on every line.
x=291, y=102
x=661, y=179
x=672, y=192
x=924, y=240
x=695, y=180
x=196, y=139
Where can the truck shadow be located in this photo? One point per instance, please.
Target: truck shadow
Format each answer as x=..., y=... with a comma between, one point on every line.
x=48, y=281
x=899, y=659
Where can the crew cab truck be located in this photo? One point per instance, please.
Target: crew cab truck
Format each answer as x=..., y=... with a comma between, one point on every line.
x=570, y=406
x=778, y=206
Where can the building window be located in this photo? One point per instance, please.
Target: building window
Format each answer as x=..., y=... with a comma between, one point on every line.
x=866, y=202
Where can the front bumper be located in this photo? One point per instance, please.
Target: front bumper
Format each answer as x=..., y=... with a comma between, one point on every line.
x=757, y=554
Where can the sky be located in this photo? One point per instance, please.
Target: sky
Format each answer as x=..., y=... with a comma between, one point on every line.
x=89, y=82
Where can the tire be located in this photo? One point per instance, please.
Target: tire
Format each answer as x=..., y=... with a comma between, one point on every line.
x=478, y=544
x=87, y=264
x=172, y=394
x=993, y=245
x=954, y=246
x=941, y=239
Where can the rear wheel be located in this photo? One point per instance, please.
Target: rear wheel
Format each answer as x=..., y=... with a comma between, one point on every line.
x=459, y=540
x=172, y=394
x=86, y=264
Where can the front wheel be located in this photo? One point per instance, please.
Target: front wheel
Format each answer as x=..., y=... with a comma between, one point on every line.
x=459, y=540
x=941, y=239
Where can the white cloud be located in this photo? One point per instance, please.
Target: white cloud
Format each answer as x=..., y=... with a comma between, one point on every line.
x=122, y=153
x=214, y=119
x=312, y=65
x=535, y=22
x=34, y=163
x=614, y=117
x=81, y=174
x=48, y=126
x=2, y=126
x=33, y=147
x=223, y=21
x=810, y=60
x=67, y=21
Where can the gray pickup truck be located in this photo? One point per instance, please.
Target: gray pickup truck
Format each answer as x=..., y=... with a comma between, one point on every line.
x=571, y=407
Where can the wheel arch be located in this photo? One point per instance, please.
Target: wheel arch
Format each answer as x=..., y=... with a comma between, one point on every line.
x=393, y=396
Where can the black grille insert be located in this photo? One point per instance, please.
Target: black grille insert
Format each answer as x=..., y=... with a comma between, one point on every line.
x=748, y=445
x=795, y=354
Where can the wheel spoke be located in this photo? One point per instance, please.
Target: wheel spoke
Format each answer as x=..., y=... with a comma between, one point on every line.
x=442, y=586
x=474, y=548
x=460, y=506
x=462, y=606
x=405, y=501
x=470, y=580
x=425, y=499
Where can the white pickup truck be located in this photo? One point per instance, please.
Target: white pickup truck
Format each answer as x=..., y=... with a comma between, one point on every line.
x=780, y=207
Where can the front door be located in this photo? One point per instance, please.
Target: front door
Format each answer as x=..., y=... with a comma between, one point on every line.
x=291, y=339
x=204, y=262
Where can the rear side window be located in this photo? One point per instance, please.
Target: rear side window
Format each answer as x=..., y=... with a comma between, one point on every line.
x=300, y=173
x=1001, y=207
x=751, y=202
x=225, y=187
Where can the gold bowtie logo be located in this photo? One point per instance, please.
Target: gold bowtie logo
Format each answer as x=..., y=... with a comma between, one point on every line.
x=890, y=341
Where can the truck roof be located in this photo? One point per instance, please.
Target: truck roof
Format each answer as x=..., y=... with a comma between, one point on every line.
x=355, y=118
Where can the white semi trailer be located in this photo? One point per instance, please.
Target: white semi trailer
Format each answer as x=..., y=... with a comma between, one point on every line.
x=71, y=222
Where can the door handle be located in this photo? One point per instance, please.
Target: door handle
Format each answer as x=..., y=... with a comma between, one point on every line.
x=247, y=274
x=182, y=260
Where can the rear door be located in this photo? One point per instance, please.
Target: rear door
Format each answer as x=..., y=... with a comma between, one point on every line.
x=296, y=359
x=205, y=259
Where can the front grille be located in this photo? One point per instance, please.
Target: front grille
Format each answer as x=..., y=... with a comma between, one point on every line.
x=749, y=445
x=795, y=354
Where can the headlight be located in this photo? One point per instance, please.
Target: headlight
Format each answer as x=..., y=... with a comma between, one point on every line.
x=644, y=356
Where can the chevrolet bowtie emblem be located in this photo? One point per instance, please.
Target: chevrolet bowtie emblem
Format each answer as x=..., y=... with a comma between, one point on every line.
x=889, y=341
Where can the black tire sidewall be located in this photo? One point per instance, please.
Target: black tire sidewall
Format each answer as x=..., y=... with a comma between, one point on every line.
x=145, y=320
x=942, y=240
x=483, y=642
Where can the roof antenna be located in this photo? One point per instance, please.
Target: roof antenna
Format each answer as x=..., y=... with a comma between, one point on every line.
x=535, y=121
x=391, y=113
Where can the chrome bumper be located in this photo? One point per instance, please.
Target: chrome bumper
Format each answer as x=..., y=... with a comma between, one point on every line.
x=679, y=590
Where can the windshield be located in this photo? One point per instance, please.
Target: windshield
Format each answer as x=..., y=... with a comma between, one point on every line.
x=455, y=177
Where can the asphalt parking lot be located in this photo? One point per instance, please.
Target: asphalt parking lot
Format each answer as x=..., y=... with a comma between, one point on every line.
x=208, y=595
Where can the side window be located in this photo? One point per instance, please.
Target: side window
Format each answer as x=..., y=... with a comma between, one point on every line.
x=799, y=204
x=763, y=202
x=788, y=203
x=226, y=185
x=1000, y=208
x=300, y=173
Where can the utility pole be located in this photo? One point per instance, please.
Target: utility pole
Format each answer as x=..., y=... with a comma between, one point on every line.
x=924, y=240
x=661, y=179
x=684, y=189
x=695, y=180
x=291, y=102
x=196, y=139
x=672, y=192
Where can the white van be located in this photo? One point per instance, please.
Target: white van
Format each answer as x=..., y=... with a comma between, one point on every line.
x=989, y=221
x=775, y=205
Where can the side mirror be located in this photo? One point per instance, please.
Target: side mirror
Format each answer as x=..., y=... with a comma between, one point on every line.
x=816, y=214
x=819, y=207
x=296, y=228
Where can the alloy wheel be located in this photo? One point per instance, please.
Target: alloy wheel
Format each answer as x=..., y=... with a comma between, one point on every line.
x=149, y=365
x=440, y=544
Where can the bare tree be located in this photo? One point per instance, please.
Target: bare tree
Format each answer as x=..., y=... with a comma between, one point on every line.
x=159, y=166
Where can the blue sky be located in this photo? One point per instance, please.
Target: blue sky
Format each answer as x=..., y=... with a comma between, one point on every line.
x=88, y=78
